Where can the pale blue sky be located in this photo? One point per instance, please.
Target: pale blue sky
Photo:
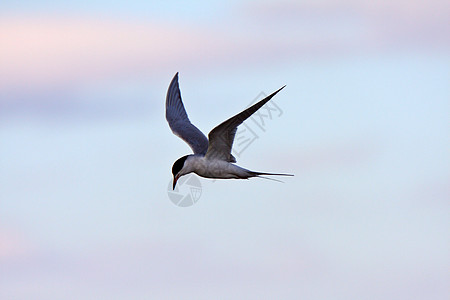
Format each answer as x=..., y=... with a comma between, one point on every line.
x=86, y=152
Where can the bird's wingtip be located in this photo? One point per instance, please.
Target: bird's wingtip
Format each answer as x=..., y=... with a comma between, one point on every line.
x=175, y=78
x=274, y=93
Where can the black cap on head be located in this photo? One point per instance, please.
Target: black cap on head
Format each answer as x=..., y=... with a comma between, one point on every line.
x=178, y=165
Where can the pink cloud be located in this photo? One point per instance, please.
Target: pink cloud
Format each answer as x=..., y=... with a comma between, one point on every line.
x=427, y=11
x=269, y=265
x=12, y=245
x=392, y=23
x=54, y=51
x=41, y=52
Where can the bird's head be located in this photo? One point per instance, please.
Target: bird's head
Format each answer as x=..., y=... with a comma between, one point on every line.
x=178, y=169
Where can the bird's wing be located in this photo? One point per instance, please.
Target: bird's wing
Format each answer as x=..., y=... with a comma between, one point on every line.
x=222, y=136
x=179, y=122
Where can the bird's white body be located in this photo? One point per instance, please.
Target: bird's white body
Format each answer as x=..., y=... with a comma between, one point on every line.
x=214, y=168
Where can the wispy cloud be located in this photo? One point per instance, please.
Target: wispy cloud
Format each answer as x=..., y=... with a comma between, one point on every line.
x=155, y=268
x=377, y=23
x=12, y=245
x=40, y=52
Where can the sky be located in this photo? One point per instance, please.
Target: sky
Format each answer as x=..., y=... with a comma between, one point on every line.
x=86, y=152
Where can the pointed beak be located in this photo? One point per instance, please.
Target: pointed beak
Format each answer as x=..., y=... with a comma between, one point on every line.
x=175, y=179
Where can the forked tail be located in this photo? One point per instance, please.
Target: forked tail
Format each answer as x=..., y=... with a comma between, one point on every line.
x=258, y=174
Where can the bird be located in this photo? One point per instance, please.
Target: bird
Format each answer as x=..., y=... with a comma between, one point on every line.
x=211, y=156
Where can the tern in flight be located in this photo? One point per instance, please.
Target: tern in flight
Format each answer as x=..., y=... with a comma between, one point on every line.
x=212, y=157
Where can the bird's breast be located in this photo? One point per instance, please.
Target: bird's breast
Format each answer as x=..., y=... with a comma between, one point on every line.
x=210, y=168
